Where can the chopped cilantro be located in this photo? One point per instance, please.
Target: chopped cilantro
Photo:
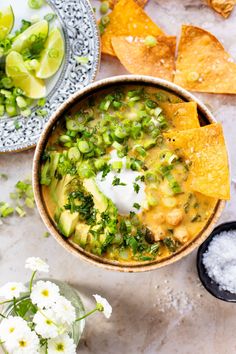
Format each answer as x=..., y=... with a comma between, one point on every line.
x=136, y=206
x=136, y=187
x=116, y=182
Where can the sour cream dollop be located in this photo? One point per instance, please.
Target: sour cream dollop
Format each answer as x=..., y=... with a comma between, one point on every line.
x=124, y=197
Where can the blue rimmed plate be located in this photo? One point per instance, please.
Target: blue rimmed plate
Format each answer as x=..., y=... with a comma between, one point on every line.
x=78, y=24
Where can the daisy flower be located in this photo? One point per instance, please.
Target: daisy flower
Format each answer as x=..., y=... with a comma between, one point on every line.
x=44, y=294
x=36, y=264
x=103, y=305
x=11, y=290
x=64, y=311
x=11, y=327
x=46, y=325
x=26, y=342
x=61, y=344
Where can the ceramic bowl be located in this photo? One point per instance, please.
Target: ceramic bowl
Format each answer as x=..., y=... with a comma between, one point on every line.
x=210, y=285
x=205, y=118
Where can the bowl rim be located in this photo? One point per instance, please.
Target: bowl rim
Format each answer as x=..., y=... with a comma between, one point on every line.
x=74, y=99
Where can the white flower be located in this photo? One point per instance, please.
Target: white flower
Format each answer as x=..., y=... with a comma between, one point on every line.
x=26, y=342
x=103, y=305
x=61, y=344
x=11, y=290
x=46, y=325
x=36, y=264
x=11, y=327
x=44, y=294
x=64, y=311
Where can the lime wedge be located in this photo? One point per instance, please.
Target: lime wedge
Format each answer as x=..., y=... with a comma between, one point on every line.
x=52, y=55
x=22, y=78
x=24, y=40
x=6, y=21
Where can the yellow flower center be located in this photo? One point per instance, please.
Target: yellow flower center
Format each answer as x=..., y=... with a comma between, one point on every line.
x=45, y=292
x=22, y=343
x=60, y=347
x=11, y=330
x=48, y=322
x=13, y=288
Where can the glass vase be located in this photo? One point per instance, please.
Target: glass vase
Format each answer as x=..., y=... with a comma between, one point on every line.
x=76, y=330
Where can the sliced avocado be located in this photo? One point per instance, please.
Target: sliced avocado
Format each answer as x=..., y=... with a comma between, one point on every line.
x=61, y=193
x=67, y=222
x=54, y=163
x=81, y=234
x=100, y=200
x=53, y=189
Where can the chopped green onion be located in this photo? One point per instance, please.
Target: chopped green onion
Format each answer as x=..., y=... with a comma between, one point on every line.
x=84, y=146
x=29, y=202
x=150, y=41
x=20, y=211
x=17, y=124
x=11, y=110
x=85, y=170
x=7, y=82
x=74, y=153
x=157, y=111
x=117, y=146
x=26, y=112
x=42, y=112
x=46, y=234
x=35, y=4
x=141, y=150
x=2, y=110
x=5, y=209
x=151, y=104
x=117, y=165
x=50, y=17
x=41, y=102
x=99, y=164
x=120, y=132
x=21, y=102
x=152, y=201
x=104, y=7
x=105, y=20
x=64, y=139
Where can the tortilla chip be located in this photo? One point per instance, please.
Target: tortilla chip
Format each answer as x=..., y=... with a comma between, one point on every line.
x=127, y=19
x=140, y=3
x=223, y=7
x=205, y=148
x=182, y=115
x=138, y=58
x=203, y=64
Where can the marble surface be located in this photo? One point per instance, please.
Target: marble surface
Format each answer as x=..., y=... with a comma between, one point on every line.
x=164, y=311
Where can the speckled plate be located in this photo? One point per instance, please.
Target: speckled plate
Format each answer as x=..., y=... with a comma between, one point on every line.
x=78, y=24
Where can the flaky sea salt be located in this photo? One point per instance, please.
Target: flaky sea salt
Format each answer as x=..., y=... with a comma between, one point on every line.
x=220, y=260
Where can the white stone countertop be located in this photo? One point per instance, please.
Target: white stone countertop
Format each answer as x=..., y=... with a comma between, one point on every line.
x=165, y=311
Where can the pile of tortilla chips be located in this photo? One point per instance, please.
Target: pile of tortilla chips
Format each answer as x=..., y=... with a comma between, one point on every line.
x=205, y=148
x=202, y=64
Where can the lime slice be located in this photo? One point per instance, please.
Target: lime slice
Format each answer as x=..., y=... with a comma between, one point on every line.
x=52, y=55
x=22, y=78
x=24, y=39
x=6, y=21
